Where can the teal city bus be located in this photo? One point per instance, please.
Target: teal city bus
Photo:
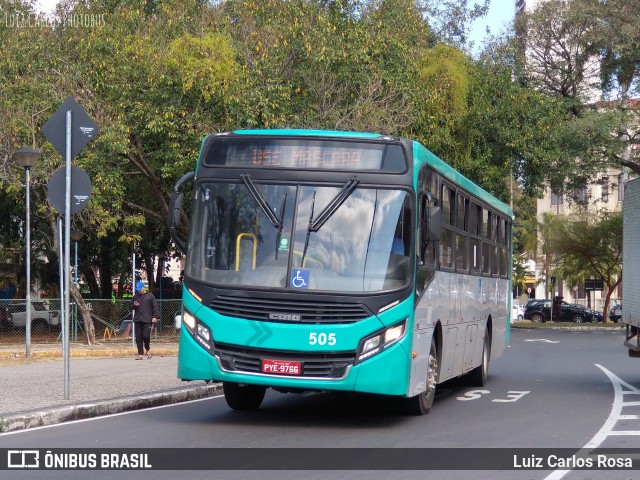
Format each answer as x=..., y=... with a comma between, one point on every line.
x=338, y=261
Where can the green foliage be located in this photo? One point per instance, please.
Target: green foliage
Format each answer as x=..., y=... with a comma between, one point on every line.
x=594, y=240
x=203, y=64
x=615, y=31
x=591, y=245
x=443, y=75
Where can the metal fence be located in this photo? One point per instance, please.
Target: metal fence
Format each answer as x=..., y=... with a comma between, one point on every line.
x=110, y=319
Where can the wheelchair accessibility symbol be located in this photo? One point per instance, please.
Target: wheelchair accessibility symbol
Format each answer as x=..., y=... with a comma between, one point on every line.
x=299, y=279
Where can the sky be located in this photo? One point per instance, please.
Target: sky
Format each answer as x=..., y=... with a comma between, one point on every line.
x=501, y=13
x=47, y=6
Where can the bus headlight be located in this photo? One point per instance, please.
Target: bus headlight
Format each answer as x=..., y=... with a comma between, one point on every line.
x=379, y=341
x=189, y=321
x=198, y=330
x=204, y=333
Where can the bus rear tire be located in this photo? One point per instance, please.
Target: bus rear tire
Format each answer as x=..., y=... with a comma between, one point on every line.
x=478, y=376
x=421, y=404
x=243, y=397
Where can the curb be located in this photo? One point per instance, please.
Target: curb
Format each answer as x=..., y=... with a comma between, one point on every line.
x=53, y=416
x=571, y=327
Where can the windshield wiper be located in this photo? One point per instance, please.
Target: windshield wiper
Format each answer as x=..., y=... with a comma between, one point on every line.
x=281, y=222
x=264, y=206
x=327, y=212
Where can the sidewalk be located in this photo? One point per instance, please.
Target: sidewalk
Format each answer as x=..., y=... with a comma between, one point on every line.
x=103, y=379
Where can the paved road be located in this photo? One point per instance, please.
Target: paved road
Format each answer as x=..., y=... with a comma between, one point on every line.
x=551, y=389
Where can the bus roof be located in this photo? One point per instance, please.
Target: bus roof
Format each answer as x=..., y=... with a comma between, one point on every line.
x=309, y=133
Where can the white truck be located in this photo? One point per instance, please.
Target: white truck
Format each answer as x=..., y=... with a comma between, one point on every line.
x=631, y=266
x=42, y=319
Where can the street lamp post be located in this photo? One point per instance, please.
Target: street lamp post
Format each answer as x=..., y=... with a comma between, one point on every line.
x=76, y=236
x=27, y=158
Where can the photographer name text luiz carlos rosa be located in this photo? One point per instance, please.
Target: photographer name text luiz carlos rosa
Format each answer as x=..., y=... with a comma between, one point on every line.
x=572, y=462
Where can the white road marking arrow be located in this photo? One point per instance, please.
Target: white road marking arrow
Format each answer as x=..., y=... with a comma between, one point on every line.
x=625, y=395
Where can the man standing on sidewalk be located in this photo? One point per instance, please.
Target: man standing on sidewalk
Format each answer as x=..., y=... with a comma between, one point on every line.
x=146, y=314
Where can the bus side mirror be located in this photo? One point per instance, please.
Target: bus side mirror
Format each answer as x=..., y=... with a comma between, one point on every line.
x=175, y=210
x=174, y=217
x=433, y=224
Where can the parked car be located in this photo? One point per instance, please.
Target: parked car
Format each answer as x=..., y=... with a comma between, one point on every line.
x=517, y=312
x=535, y=301
x=615, y=313
x=41, y=317
x=540, y=311
x=597, y=316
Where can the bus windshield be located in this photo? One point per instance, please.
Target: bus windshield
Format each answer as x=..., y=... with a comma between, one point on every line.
x=361, y=245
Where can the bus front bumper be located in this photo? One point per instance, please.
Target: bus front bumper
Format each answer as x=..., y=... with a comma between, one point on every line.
x=385, y=373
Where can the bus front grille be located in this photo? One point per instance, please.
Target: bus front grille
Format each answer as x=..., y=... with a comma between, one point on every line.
x=317, y=365
x=284, y=310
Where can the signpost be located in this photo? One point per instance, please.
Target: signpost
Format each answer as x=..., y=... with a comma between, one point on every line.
x=553, y=294
x=82, y=131
x=80, y=190
x=69, y=130
x=594, y=284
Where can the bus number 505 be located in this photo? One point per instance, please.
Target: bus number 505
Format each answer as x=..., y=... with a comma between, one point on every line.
x=322, y=338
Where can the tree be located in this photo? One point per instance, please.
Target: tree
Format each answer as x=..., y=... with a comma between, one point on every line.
x=157, y=76
x=451, y=20
x=511, y=129
x=585, y=51
x=616, y=32
x=561, y=54
x=524, y=235
x=592, y=244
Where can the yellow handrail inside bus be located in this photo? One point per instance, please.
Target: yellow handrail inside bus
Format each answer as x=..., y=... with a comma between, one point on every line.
x=255, y=249
x=308, y=259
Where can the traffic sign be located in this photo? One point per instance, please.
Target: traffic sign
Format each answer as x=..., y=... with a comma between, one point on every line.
x=69, y=129
x=594, y=284
x=83, y=128
x=80, y=189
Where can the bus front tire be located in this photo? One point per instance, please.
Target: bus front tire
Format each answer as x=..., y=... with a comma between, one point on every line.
x=243, y=397
x=421, y=404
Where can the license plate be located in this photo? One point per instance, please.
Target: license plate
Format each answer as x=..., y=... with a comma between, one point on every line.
x=281, y=367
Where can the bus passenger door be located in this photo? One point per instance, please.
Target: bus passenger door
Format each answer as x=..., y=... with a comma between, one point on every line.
x=420, y=364
x=447, y=370
x=469, y=350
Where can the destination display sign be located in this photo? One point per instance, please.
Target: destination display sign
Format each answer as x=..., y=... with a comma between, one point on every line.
x=306, y=154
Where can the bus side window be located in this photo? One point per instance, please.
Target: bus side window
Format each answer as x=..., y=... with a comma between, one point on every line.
x=401, y=236
x=430, y=224
x=475, y=231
